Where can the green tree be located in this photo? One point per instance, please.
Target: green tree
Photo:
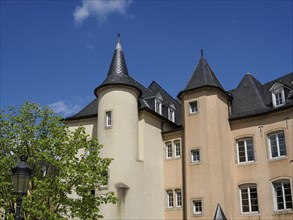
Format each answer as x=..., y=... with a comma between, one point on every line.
x=64, y=162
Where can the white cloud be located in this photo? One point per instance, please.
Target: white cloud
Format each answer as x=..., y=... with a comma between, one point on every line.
x=100, y=9
x=67, y=108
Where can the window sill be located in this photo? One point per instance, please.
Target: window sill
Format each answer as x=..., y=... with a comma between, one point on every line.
x=283, y=212
x=195, y=163
x=250, y=213
x=172, y=159
x=197, y=215
x=249, y=163
x=275, y=159
x=173, y=209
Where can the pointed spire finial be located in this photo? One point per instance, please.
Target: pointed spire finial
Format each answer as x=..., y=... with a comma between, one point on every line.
x=201, y=53
x=118, y=38
x=118, y=45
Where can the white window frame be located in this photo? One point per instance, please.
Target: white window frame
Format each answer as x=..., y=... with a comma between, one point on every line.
x=178, y=198
x=195, y=208
x=169, y=150
x=108, y=119
x=192, y=158
x=284, y=201
x=170, y=199
x=276, y=133
x=192, y=109
x=278, y=97
x=105, y=186
x=158, y=106
x=248, y=187
x=177, y=148
x=171, y=114
x=244, y=140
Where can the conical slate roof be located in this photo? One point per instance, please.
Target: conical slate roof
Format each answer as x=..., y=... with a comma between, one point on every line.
x=118, y=73
x=219, y=215
x=202, y=76
x=118, y=64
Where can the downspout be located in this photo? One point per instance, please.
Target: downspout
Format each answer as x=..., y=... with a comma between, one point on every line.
x=184, y=211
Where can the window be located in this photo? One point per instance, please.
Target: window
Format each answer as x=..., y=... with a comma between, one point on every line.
x=170, y=199
x=168, y=150
x=282, y=195
x=245, y=150
x=177, y=149
x=158, y=106
x=171, y=114
x=197, y=207
x=248, y=198
x=195, y=156
x=278, y=95
x=108, y=119
x=278, y=98
x=277, y=145
x=193, y=107
x=104, y=177
x=178, y=198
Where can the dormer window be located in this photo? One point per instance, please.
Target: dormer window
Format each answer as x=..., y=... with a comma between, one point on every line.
x=278, y=95
x=278, y=98
x=171, y=112
x=158, y=106
x=158, y=103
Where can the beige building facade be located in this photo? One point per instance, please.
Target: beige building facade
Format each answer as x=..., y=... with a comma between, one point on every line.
x=208, y=154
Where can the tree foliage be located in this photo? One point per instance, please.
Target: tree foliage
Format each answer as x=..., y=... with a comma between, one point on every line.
x=66, y=166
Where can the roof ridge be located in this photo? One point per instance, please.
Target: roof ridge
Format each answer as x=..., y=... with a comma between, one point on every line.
x=155, y=83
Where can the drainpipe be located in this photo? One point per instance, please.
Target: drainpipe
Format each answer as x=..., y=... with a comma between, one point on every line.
x=184, y=210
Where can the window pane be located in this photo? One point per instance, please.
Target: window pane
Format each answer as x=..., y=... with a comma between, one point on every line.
x=249, y=199
x=170, y=199
x=250, y=151
x=197, y=207
x=177, y=145
x=241, y=151
x=169, y=150
x=273, y=144
x=178, y=198
x=195, y=156
x=108, y=119
x=193, y=107
x=282, y=146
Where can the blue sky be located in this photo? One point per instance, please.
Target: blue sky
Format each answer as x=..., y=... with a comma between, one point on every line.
x=57, y=52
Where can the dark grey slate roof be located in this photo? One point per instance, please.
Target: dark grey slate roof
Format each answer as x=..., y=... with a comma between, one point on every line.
x=202, y=76
x=248, y=99
x=149, y=101
x=118, y=73
x=89, y=111
x=219, y=214
x=251, y=97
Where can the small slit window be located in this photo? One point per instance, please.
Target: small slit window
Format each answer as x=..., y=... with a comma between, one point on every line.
x=193, y=108
x=108, y=119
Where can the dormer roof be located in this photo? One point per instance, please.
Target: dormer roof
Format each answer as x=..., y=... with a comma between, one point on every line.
x=251, y=97
x=202, y=76
x=118, y=73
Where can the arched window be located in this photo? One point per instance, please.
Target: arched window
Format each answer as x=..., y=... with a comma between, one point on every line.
x=277, y=144
x=248, y=198
x=282, y=195
x=245, y=150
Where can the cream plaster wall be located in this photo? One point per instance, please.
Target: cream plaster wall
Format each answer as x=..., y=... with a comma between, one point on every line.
x=137, y=162
x=264, y=170
x=173, y=174
x=217, y=177
x=207, y=130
